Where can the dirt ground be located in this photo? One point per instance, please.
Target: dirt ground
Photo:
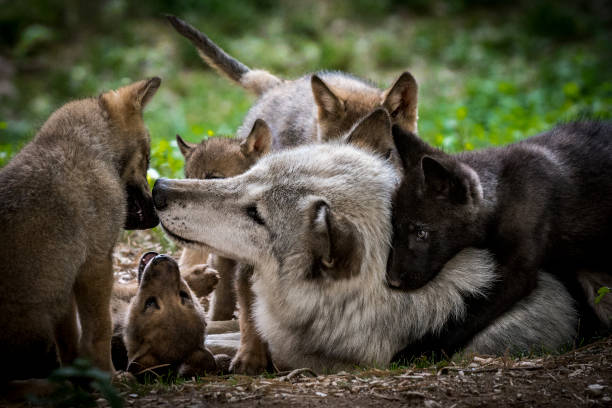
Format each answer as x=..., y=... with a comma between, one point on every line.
x=582, y=377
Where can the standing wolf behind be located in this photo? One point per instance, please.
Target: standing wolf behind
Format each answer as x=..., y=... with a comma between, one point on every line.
x=316, y=107
x=544, y=202
x=65, y=199
x=315, y=222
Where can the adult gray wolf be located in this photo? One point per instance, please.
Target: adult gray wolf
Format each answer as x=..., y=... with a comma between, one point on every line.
x=321, y=106
x=315, y=223
x=65, y=199
x=544, y=202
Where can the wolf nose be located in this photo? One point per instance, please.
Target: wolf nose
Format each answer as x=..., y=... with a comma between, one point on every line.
x=161, y=258
x=159, y=194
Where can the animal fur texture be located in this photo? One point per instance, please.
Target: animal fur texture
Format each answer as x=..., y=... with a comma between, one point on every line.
x=66, y=196
x=315, y=222
x=544, y=202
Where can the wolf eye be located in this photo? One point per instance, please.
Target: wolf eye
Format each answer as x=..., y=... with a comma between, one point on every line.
x=254, y=215
x=388, y=154
x=421, y=234
x=151, y=302
x=214, y=176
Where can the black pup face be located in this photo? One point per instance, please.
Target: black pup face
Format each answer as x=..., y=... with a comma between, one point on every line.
x=141, y=212
x=433, y=212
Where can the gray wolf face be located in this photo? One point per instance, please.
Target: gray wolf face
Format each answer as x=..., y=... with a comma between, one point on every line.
x=245, y=217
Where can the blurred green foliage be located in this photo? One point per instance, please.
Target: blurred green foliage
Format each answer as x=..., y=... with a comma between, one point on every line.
x=489, y=73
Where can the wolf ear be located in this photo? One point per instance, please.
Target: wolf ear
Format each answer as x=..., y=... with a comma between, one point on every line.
x=258, y=142
x=337, y=252
x=400, y=100
x=328, y=103
x=450, y=181
x=374, y=132
x=184, y=146
x=146, y=90
x=130, y=99
x=410, y=147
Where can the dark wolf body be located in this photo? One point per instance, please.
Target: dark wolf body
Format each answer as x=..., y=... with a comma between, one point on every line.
x=544, y=202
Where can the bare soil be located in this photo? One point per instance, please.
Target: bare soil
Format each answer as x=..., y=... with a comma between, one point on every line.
x=582, y=377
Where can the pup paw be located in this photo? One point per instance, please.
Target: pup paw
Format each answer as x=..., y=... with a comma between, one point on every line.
x=202, y=279
x=251, y=361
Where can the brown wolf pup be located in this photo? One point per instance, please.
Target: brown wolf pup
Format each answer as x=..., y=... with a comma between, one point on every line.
x=213, y=158
x=160, y=323
x=65, y=198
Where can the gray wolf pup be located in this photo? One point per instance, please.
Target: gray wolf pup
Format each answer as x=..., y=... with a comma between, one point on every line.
x=316, y=107
x=65, y=199
x=315, y=223
x=544, y=202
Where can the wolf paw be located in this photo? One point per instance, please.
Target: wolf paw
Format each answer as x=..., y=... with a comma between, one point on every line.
x=202, y=279
x=250, y=362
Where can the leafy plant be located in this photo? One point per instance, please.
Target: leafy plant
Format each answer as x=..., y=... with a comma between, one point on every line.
x=79, y=385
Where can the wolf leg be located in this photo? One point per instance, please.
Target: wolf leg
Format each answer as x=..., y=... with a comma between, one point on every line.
x=67, y=336
x=223, y=303
x=253, y=355
x=92, y=291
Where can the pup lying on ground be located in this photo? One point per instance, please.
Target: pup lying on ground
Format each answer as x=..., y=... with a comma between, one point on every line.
x=315, y=222
x=65, y=199
x=317, y=107
x=160, y=323
x=545, y=202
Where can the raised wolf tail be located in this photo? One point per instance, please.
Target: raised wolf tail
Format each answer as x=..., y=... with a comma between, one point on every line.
x=256, y=81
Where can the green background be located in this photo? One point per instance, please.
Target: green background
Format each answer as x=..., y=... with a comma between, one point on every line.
x=490, y=72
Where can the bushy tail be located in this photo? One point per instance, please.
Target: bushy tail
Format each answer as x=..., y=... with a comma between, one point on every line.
x=256, y=81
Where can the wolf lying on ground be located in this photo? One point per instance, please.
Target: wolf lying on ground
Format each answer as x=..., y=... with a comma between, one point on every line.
x=316, y=107
x=315, y=222
x=65, y=199
x=160, y=323
x=221, y=157
x=218, y=158
x=544, y=202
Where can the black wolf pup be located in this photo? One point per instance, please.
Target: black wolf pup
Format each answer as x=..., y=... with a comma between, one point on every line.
x=545, y=202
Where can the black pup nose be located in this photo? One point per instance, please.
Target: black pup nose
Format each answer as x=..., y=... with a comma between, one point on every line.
x=161, y=258
x=159, y=194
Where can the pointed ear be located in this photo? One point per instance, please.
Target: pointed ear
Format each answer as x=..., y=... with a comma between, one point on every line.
x=448, y=180
x=410, y=147
x=328, y=103
x=130, y=99
x=259, y=141
x=146, y=91
x=401, y=101
x=184, y=146
x=336, y=252
x=373, y=132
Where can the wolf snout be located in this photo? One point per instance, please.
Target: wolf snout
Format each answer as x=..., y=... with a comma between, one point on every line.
x=160, y=194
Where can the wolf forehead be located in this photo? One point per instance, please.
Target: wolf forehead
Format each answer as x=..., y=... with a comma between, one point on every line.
x=319, y=167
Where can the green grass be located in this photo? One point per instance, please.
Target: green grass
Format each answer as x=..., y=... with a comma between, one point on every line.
x=486, y=77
